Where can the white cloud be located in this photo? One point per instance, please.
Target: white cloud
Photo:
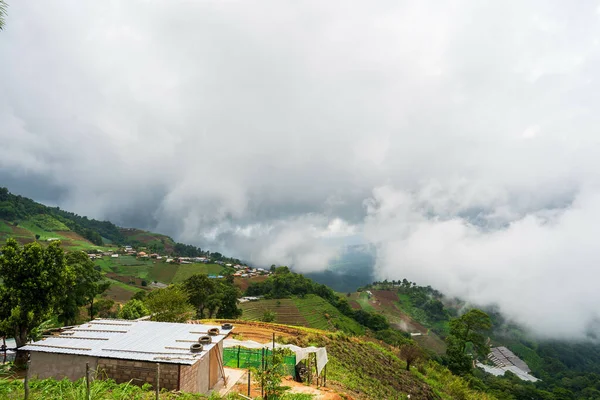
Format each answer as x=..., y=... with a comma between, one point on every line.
x=260, y=128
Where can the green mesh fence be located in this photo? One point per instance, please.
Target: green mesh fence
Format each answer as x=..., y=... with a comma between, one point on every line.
x=239, y=357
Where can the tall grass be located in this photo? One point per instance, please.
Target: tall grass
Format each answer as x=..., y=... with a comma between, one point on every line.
x=50, y=389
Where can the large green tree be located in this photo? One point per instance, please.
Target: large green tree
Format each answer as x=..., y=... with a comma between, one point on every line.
x=35, y=281
x=467, y=332
x=202, y=294
x=229, y=298
x=88, y=283
x=169, y=305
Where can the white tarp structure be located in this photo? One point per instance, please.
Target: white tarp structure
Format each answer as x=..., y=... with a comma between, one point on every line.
x=500, y=371
x=301, y=352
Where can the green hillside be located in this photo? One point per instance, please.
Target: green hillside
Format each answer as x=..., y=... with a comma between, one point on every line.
x=23, y=219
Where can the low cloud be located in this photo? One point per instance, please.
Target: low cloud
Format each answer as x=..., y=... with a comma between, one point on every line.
x=536, y=268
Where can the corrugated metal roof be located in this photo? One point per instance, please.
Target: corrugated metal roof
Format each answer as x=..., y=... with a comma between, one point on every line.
x=131, y=340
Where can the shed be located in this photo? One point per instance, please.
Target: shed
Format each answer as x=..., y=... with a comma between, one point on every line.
x=126, y=351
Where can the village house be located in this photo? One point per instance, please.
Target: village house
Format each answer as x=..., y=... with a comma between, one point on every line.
x=190, y=356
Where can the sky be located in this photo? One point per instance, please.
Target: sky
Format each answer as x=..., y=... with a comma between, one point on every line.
x=461, y=140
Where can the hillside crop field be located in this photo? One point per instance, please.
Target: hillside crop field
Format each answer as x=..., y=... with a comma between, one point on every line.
x=155, y=270
x=127, y=273
x=398, y=310
x=46, y=227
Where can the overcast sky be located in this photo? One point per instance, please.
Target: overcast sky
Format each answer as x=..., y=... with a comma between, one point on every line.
x=462, y=138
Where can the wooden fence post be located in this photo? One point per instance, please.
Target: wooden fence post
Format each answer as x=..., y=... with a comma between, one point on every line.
x=249, y=383
x=87, y=381
x=157, y=381
x=26, y=380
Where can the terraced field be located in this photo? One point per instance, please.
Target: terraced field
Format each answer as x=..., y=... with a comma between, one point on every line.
x=285, y=311
x=320, y=314
x=311, y=311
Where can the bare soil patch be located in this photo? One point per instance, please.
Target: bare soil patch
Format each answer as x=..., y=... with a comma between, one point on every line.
x=128, y=279
x=118, y=294
x=243, y=283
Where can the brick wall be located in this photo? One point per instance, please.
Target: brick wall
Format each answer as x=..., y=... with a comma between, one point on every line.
x=59, y=366
x=139, y=372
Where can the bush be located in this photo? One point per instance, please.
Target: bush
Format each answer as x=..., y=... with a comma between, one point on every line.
x=133, y=309
x=268, y=316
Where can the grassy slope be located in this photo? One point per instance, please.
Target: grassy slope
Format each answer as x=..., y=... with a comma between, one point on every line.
x=149, y=238
x=311, y=311
x=371, y=370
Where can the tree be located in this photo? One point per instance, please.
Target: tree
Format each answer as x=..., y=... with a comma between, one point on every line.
x=169, y=305
x=470, y=328
x=88, y=283
x=466, y=330
x=202, y=294
x=35, y=281
x=410, y=353
x=271, y=376
x=104, y=308
x=268, y=316
x=141, y=295
x=133, y=309
x=229, y=298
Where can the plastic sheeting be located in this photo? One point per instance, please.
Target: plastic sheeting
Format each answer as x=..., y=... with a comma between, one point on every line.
x=301, y=352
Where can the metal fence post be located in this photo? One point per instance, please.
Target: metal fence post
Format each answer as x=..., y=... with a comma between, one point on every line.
x=238, y=362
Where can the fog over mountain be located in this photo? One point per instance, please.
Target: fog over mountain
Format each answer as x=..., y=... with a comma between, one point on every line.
x=460, y=139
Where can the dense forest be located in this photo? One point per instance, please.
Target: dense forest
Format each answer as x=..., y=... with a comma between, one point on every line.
x=567, y=369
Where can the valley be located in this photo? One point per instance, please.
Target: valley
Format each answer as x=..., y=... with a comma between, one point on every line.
x=363, y=328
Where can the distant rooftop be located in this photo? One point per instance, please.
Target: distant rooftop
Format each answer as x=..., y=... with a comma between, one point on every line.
x=163, y=342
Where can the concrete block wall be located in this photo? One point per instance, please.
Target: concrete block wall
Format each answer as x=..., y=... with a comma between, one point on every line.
x=59, y=366
x=194, y=378
x=139, y=372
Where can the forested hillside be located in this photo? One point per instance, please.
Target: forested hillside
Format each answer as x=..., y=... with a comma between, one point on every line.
x=567, y=369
